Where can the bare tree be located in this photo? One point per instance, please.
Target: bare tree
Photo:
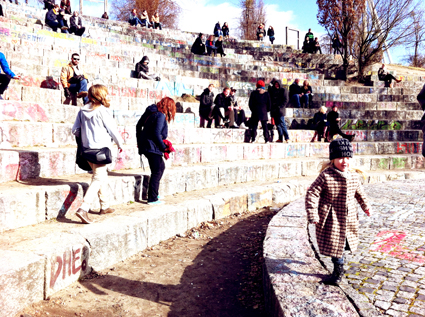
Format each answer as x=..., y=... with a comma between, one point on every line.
x=253, y=13
x=340, y=18
x=417, y=20
x=383, y=26
x=326, y=44
x=168, y=10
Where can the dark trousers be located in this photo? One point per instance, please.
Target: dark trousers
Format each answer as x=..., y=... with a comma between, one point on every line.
x=389, y=78
x=78, y=32
x=217, y=116
x=157, y=166
x=334, y=129
x=253, y=124
x=4, y=82
x=239, y=116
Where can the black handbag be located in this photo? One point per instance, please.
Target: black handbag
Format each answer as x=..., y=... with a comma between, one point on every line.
x=80, y=160
x=96, y=156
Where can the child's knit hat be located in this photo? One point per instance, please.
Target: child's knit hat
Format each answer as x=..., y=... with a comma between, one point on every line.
x=340, y=148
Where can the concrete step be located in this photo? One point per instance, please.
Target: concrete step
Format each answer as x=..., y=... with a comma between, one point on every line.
x=40, y=260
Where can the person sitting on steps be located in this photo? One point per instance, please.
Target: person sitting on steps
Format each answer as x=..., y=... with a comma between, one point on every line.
x=52, y=19
x=133, y=19
x=307, y=94
x=198, y=46
x=211, y=48
x=383, y=75
x=223, y=101
x=74, y=80
x=219, y=45
x=142, y=70
x=295, y=94
x=76, y=25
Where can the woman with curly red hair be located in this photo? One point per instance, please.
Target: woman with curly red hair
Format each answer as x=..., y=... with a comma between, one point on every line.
x=151, y=131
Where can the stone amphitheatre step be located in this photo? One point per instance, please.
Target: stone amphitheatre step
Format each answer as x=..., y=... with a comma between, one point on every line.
x=39, y=260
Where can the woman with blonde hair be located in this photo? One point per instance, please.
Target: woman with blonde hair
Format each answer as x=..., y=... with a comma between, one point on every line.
x=151, y=131
x=96, y=126
x=320, y=123
x=219, y=45
x=155, y=21
x=307, y=92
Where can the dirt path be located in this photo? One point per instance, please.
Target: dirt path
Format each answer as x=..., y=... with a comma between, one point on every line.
x=216, y=270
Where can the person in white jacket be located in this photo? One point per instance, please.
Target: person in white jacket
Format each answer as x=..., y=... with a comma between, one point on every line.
x=96, y=126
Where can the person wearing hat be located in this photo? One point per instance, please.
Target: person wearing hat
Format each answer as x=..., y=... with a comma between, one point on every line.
x=330, y=204
x=259, y=104
x=142, y=70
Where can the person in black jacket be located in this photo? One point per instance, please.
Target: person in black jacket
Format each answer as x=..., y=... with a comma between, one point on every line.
x=219, y=45
x=387, y=77
x=142, y=70
x=333, y=121
x=52, y=19
x=105, y=16
x=295, y=93
x=198, y=46
x=206, y=106
x=270, y=34
x=151, y=131
x=76, y=24
x=259, y=104
x=222, y=101
x=279, y=99
x=320, y=123
x=225, y=30
x=49, y=4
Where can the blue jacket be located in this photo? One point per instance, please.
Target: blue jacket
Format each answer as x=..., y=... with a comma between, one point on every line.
x=5, y=66
x=50, y=17
x=151, y=130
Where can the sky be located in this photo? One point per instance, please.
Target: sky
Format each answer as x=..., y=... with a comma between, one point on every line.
x=201, y=16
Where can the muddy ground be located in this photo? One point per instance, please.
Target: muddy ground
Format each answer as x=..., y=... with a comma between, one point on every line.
x=214, y=270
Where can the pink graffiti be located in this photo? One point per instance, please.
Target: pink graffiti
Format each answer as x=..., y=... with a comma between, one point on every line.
x=20, y=111
x=66, y=265
x=390, y=242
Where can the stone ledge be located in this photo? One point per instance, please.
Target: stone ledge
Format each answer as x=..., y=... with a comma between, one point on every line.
x=70, y=251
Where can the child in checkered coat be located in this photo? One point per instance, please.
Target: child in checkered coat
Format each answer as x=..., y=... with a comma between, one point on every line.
x=330, y=205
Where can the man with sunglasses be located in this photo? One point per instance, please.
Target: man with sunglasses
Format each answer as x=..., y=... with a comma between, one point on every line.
x=74, y=80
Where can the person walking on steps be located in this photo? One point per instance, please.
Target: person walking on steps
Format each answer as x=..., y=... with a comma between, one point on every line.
x=259, y=104
x=333, y=122
x=151, y=132
x=330, y=204
x=7, y=76
x=96, y=127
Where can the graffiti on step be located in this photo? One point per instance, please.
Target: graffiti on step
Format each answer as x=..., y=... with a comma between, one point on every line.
x=69, y=264
x=354, y=124
x=409, y=148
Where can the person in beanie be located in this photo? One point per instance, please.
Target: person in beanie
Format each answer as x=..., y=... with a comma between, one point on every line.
x=259, y=104
x=330, y=205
